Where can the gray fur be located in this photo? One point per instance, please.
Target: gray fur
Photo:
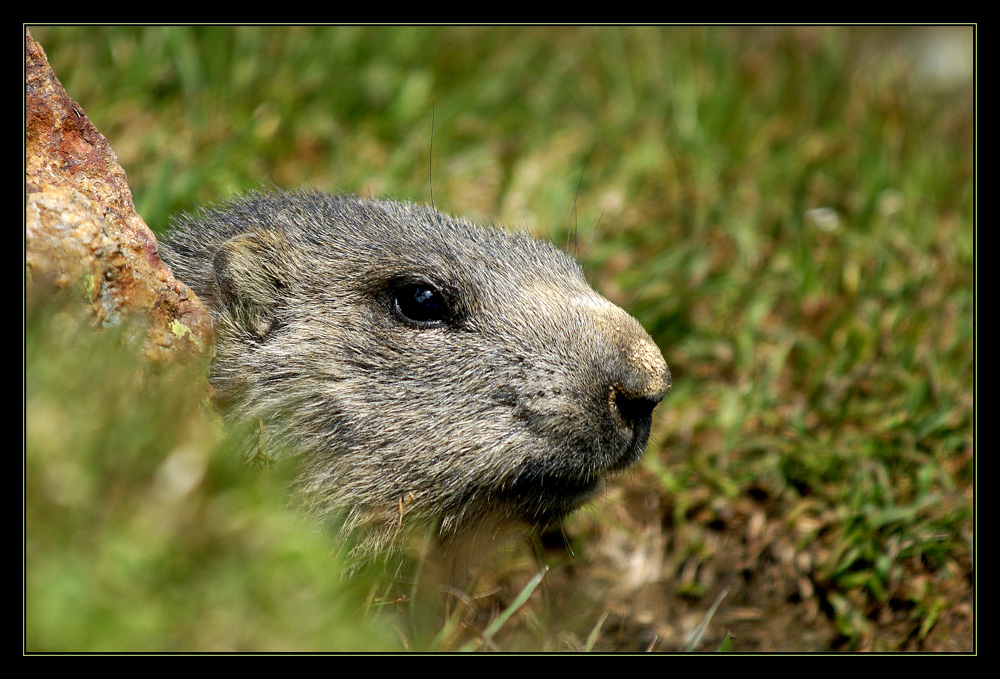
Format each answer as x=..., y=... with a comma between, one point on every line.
x=510, y=409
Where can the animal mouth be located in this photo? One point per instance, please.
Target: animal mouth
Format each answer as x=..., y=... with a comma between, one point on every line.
x=543, y=498
x=543, y=493
x=632, y=452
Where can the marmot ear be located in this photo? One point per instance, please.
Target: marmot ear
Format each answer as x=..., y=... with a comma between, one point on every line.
x=250, y=280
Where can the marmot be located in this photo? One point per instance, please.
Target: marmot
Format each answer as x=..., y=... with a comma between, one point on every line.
x=429, y=370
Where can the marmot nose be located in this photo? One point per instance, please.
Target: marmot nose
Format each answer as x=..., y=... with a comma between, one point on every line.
x=634, y=396
x=639, y=377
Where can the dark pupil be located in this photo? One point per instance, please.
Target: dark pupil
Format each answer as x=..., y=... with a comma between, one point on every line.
x=421, y=303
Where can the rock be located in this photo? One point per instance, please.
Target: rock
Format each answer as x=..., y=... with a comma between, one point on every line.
x=82, y=231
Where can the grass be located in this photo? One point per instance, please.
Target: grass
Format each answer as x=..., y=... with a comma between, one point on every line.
x=141, y=531
x=789, y=211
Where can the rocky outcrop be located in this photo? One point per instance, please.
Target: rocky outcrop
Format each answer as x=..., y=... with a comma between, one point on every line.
x=82, y=231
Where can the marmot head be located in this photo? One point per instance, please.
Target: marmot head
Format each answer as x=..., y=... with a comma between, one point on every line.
x=429, y=370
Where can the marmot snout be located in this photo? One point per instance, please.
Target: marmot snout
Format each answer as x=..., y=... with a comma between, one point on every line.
x=429, y=370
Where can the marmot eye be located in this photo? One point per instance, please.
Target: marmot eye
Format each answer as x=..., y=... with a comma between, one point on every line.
x=421, y=304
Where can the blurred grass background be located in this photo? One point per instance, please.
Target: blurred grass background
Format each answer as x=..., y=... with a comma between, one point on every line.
x=788, y=210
